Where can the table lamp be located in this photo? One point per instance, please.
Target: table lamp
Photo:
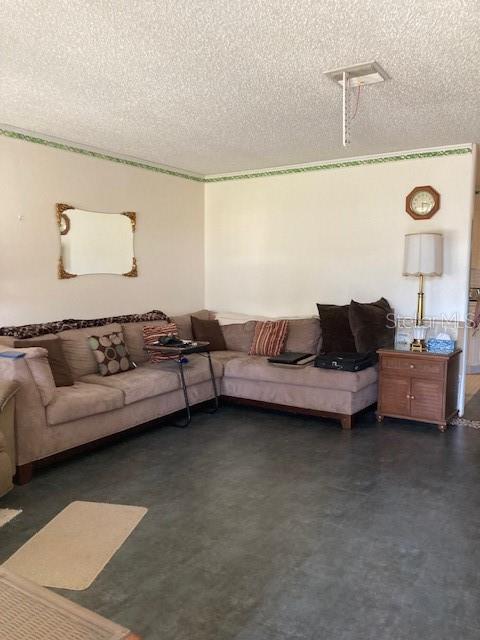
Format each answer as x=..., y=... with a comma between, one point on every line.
x=423, y=257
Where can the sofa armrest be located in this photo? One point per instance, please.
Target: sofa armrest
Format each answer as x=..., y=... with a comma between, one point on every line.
x=37, y=361
x=30, y=418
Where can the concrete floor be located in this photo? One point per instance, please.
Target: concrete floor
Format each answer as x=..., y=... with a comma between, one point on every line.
x=264, y=526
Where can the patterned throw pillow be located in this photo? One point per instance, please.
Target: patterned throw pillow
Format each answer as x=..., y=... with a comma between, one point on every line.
x=111, y=353
x=151, y=335
x=269, y=338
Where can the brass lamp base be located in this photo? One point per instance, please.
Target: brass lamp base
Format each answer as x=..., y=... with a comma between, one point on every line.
x=418, y=346
x=419, y=343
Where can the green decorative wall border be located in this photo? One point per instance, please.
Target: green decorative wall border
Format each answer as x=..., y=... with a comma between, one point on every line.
x=342, y=164
x=97, y=154
x=261, y=173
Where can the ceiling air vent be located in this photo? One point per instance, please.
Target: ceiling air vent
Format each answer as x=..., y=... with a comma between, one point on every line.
x=355, y=77
x=359, y=74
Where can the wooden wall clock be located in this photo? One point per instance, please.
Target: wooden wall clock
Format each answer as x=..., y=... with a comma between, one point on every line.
x=422, y=203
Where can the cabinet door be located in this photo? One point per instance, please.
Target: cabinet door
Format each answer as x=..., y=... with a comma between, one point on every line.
x=426, y=399
x=394, y=396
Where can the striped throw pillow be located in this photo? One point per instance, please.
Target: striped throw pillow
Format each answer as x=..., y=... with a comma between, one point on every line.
x=269, y=338
x=151, y=335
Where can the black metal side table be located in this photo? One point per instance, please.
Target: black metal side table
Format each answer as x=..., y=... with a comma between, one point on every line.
x=178, y=354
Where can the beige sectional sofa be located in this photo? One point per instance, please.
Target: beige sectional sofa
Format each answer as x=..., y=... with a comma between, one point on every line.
x=51, y=420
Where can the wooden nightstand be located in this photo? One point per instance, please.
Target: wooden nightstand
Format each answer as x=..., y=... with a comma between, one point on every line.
x=418, y=386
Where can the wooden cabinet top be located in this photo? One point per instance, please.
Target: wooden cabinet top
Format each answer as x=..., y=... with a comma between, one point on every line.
x=415, y=354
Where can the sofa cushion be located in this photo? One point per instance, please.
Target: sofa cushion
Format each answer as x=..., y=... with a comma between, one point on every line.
x=337, y=335
x=133, y=334
x=196, y=370
x=56, y=358
x=224, y=356
x=257, y=368
x=81, y=400
x=208, y=331
x=303, y=335
x=142, y=382
x=269, y=338
x=184, y=323
x=111, y=353
x=239, y=337
x=77, y=351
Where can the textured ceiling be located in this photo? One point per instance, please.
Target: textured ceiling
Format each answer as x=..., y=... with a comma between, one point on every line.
x=215, y=86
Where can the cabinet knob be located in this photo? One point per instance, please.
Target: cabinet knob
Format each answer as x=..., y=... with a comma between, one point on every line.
x=412, y=397
x=408, y=396
x=412, y=366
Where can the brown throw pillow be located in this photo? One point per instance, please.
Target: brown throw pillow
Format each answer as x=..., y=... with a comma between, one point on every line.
x=336, y=332
x=209, y=331
x=184, y=322
x=111, y=353
x=372, y=325
x=269, y=338
x=56, y=358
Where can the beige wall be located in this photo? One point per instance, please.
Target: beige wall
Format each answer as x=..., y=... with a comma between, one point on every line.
x=270, y=246
x=276, y=245
x=169, y=242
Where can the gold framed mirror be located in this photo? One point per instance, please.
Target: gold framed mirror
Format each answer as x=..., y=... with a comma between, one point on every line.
x=93, y=242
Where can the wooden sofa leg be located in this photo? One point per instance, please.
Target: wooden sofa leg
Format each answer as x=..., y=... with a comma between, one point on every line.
x=24, y=474
x=347, y=421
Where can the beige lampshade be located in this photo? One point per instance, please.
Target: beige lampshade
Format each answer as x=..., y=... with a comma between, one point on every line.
x=423, y=254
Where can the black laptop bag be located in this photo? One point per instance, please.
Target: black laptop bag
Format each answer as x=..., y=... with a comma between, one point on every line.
x=345, y=361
